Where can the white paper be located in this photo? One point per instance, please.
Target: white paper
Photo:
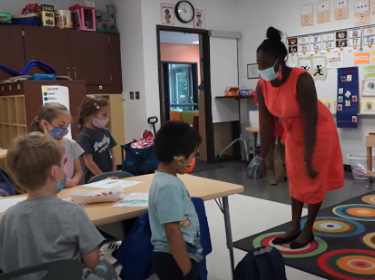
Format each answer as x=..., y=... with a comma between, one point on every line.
x=315, y=39
x=362, y=6
x=335, y=60
x=329, y=37
x=306, y=10
x=323, y=6
x=339, y=4
x=5, y=203
x=57, y=94
x=110, y=183
x=134, y=200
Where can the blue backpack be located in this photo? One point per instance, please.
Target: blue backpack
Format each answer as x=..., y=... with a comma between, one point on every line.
x=6, y=187
x=264, y=263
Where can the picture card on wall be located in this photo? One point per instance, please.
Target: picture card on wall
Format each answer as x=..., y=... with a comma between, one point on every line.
x=341, y=39
x=200, y=19
x=368, y=106
x=369, y=71
x=341, y=9
x=304, y=63
x=335, y=60
x=330, y=105
x=368, y=87
x=307, y=13
x=304, y=45
x=323, y=12
x=373, y=7
x=167, y=13
x=361, y=58
x=318, y=68
x=315, y=43
x=293, y=45
x=361, y=12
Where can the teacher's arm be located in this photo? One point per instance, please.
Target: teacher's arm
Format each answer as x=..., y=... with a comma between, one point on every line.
x=266, y=124
x=308, y=102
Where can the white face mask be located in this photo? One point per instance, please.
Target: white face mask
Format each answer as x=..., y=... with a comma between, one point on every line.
x=269, y=74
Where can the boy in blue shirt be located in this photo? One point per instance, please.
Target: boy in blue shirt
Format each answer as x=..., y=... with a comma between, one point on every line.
x=173, y=220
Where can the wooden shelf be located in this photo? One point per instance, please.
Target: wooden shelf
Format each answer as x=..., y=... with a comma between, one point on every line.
x=235, y=97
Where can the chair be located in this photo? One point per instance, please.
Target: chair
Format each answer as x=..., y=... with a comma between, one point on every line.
x=56, y=270
x=118, y=174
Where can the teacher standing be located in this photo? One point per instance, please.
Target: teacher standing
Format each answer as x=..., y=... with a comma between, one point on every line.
x=312, y=148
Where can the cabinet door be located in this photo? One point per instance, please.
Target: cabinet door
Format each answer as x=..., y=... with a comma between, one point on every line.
x=11, y=49
x=50, y=46
x=115, y=62
x=90, y=51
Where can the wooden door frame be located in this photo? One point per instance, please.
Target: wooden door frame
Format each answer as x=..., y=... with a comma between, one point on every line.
x=206, y=62
x=194, y=81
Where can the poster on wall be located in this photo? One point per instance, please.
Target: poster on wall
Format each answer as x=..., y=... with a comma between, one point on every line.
x=368, y=37
x=330, y=105
x=361, y=12
x=57, y=94
x=315, y=43
x=347, y=97
x=368, y=107
x=307, y=13
x=323, y=14
x=355, y=38
x=304, y=63
x=341, y=9
x=318, y=68
x=335, y=60
x=368, y=87
x=369, y=71
x=293, y=45
x=303, y=45
x=328, y=41
x=361, y=58
x=341, y=39
x=200, y=19
x=167, y=14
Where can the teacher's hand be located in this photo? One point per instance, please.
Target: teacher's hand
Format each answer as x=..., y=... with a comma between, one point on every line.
x=311, y=172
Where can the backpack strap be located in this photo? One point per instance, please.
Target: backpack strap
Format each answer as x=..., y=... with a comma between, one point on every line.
x=7, y=181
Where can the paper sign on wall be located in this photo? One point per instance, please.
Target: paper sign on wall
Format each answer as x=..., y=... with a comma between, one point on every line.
x=341, y=9
x=200, y=19
x=56, y=94
x=369, y=71
x=318, y=68
x=373, y=7
x=307, y=15
x=368, y=107
x=323, y=12
x=362, y=12
x=330, y=105
x=361, y=58
x=335, y=60
x=368, y=87
x=167, y=14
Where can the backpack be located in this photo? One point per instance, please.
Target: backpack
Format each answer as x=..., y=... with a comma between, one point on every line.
x=6, y=187
x=253, y=169
x=264, y=263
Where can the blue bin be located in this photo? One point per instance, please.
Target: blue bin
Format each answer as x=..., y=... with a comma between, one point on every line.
x=138, y=161
x=26, y=20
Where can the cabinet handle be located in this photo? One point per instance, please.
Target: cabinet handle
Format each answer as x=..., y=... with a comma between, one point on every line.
x=75, y=73
x=67, y=68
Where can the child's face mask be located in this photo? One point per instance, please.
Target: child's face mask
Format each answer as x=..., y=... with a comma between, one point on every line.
x=188, y=167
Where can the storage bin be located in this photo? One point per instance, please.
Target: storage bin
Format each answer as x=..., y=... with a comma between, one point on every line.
x=26, y=20
x=358, y=163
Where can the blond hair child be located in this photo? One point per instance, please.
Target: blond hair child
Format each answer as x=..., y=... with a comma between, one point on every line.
x=95, y=139
x=44, y=228
x=54, y=119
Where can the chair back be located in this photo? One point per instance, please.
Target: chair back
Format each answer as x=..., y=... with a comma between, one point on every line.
x=56, y=270
x=118, y=174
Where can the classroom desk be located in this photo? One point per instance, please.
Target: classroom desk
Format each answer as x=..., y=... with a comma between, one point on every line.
x=3, y=153
x=207, y=189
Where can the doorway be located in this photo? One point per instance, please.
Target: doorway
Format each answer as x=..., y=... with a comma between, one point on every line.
x=184, y=66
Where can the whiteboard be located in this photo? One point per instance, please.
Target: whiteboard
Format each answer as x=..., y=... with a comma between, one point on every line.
x=224, y=73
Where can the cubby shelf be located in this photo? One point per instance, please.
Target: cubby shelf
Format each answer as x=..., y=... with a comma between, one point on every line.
x=12, y=118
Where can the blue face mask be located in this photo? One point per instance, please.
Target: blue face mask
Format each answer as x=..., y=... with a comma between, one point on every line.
x=268, y=74
x=58, y=132
x=61, y=184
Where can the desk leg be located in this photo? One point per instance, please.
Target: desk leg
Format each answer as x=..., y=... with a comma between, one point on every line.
x=224, y=207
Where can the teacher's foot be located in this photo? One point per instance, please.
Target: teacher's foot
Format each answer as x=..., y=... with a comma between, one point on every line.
x=287, y=237
x=305, y=238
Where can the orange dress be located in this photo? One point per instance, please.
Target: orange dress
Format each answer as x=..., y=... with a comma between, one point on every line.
x=327, y=158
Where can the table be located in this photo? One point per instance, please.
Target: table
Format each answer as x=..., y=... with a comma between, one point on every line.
x=207, y=189
x=3, y=153
x=243, y=121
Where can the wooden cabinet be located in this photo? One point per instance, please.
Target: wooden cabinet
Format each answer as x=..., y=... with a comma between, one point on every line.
x=11, y=49
x=90, y=56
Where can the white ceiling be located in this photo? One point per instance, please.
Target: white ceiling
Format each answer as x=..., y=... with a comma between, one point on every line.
x=178, y=38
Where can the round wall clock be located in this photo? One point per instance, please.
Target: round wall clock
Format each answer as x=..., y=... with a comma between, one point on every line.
x=184, y=11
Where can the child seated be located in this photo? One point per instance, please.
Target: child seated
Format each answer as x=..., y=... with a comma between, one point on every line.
x=173, y=220
x=44, y=228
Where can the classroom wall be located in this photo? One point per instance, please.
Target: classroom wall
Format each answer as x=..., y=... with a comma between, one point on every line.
x=285, y=15
x=180, y=53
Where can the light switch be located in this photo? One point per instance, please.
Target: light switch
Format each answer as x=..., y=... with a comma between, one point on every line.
x=137, y=95
x=131, y=95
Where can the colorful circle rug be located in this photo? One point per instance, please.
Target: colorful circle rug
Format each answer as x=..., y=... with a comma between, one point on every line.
x=335, y=227
x=349, y=264
x=369, y=241
x=359, y=212
x=369, y=199
x=315, y=248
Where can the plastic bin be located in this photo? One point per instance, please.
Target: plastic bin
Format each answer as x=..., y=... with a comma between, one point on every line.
x=358, y=163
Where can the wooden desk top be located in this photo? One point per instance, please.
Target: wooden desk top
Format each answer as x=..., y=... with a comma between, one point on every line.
x=3, y=153
x=101, y=214
x=252, y=129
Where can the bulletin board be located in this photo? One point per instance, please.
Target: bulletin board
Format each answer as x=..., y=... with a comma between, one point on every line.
x=322, y=54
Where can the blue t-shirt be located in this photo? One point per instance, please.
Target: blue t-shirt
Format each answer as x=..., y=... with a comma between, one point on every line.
x=170, y=202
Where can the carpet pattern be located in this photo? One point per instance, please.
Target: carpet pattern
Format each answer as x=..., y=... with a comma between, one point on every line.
x=344, y=246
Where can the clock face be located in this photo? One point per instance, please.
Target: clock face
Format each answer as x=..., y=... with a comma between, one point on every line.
x=185, y=11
